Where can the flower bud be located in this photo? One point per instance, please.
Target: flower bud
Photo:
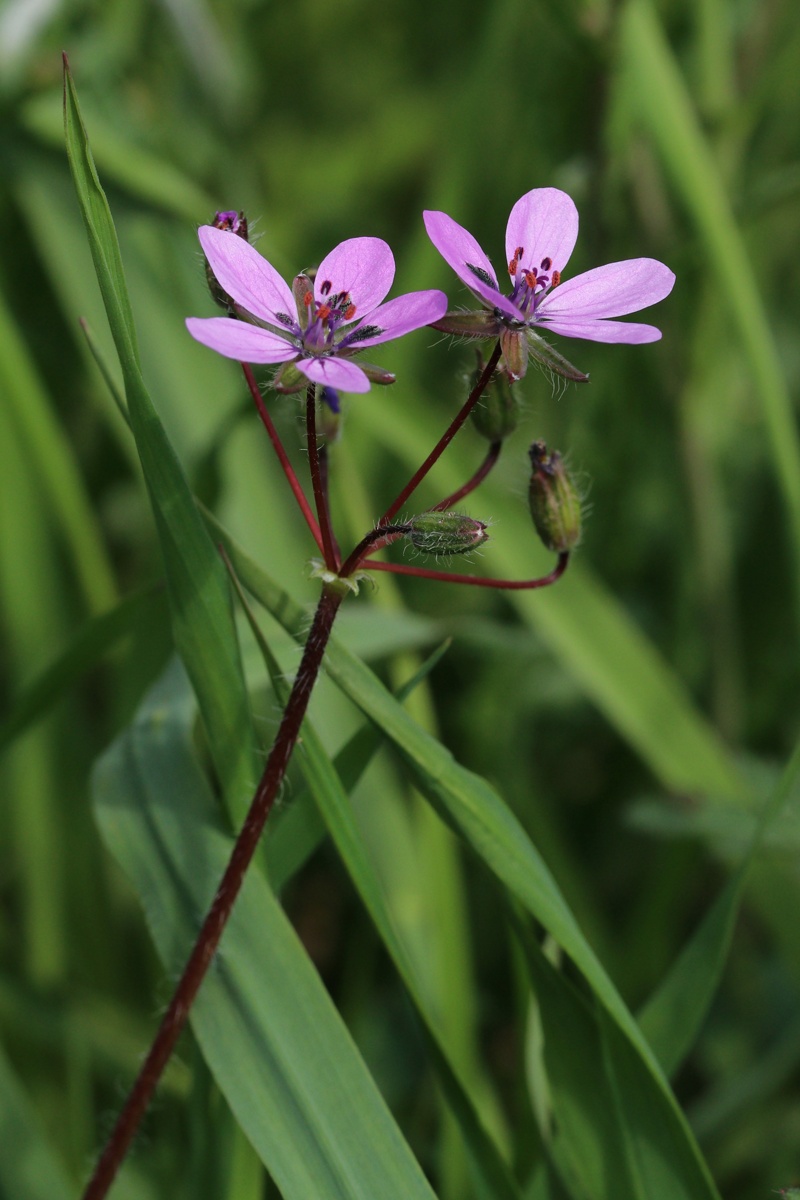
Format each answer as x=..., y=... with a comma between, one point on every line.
x=303, y=292
x=496, y=414
x=446, y=533
x=288, y=379
x=554, y=500
x=231, y=222
x=480, y=324
x=515, y=353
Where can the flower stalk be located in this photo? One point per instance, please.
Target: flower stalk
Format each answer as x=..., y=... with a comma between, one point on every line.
x=509, y=585
x=208, y=939
x=319, y=482
x=283, y=457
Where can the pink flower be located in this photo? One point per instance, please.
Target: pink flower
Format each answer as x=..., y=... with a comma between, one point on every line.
x=317, y=326
x=540, y=236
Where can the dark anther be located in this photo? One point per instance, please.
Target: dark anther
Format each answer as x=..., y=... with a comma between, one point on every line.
x=484, y=276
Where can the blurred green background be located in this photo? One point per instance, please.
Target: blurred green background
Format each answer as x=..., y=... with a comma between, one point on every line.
x=634, y=717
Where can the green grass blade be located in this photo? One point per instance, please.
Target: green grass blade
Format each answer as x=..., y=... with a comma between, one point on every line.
x=145, y=177
x=672, y=1017
x=294, y=833
x=86, y=649
x=663, y=106
x=332, y=801
x=105, y=371
x=479, y=815
x=197, y=583
x=268, y=1029
x=53, y=460
x=614, y=1138
x=588, y=1144
x=29, y=1167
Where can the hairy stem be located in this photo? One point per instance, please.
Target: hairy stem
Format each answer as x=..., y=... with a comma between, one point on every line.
x=212, y=928
x=318, y=483
x=288, y=469
x=446, y=438
x=354, y=559
x=515, y=585
x=483, y=470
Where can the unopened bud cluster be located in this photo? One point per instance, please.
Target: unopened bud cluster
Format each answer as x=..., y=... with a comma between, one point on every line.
x=446, y=533
x=554, y=500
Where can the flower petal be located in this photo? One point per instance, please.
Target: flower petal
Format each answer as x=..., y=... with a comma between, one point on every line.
x=603, y=331
x=544, y=223
x=459, y=250
x=396, y=317
x=247, y=277
x=363, y=266
x=611, y=291
x=235, y=339
x=335, y=373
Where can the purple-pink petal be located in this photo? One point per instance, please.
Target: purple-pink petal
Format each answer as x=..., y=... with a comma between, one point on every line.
x=610, y=291
x=235, y=339
x=247, y=277
x=334, y=372
x=362, y=267
x=460, y=251
x=399, y=316
x=602, y=331
x=544, y=222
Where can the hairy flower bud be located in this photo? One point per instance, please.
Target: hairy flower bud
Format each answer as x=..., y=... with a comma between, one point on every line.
x=554, y=500
x=446, y=533
x=497, y=413
x=230, y=222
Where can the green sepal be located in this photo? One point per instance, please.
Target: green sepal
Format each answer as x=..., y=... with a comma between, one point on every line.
x=289, y=380
x=543, y=353
x=478, y=324
x=377, y=374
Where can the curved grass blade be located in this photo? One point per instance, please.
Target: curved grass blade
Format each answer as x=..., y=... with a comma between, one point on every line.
x=85, y=650
x=145, y=177
x=295, y=832
x=197, y=583
x=664, y=107
x=276, y=1045
x=672, y=1017
x=478, y=814
x=29, y=1167
x=52, y=458
x=331, y=798
x=588, y=1145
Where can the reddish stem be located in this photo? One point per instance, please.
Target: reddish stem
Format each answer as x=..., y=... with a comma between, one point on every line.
x=478, y=478
x=288, y=469
x=324, y=474
x=317, y=483
x=354, y=559
x=208, y=939
x=518, y=585
x=446, y=438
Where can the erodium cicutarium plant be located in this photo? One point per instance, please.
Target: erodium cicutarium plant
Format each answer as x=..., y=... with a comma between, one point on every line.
x=313, y=333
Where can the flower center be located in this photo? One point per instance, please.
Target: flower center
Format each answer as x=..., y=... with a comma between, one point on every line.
x=325, y=316
x=531, y=283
